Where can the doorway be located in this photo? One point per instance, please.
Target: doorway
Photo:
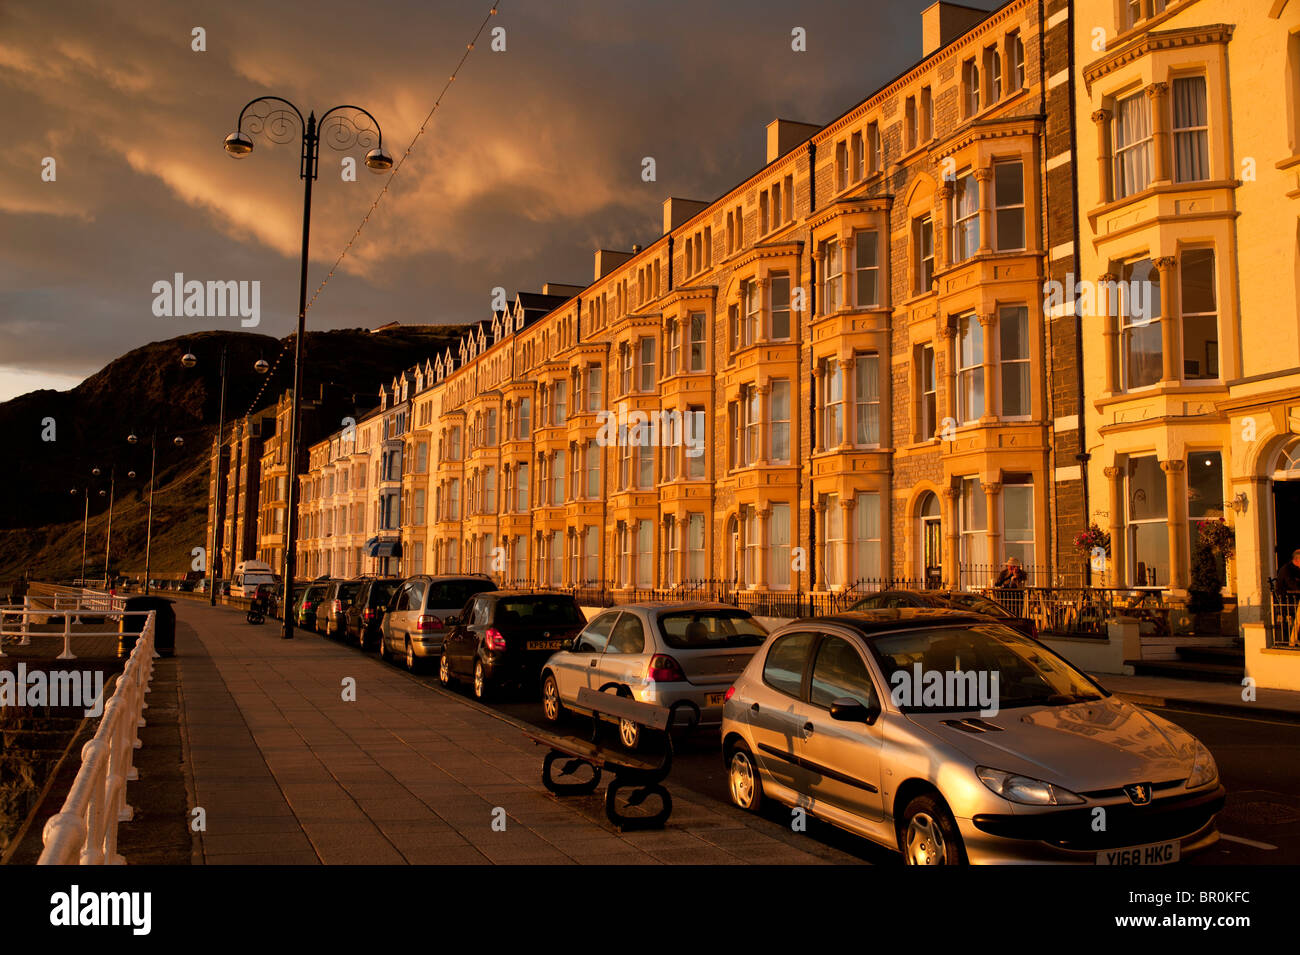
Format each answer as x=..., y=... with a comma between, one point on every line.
x=931, y=538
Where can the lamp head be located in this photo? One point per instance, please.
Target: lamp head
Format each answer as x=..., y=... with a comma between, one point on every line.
x=178, y=441
x=378, y=161
x=189, y=359
x=132, y=439
x=261, y=366
x=239, y=145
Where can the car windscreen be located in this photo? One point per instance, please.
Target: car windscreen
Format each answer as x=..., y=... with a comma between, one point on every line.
x=539, y=611
x=444, y=594
x=973, y=668
x=710, y=629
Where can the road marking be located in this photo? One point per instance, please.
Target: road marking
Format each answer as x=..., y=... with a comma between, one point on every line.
x=1220, y=716
x=1246, y=842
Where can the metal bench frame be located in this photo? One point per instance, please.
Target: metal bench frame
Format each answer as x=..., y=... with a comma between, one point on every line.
x=632, y=770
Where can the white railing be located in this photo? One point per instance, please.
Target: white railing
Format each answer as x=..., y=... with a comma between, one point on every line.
x=69, y=609
x=85, y=830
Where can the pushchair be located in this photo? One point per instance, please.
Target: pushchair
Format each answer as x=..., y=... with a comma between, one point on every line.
x=258, y=609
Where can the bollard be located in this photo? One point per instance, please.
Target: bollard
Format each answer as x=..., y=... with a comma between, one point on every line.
x=67, y=653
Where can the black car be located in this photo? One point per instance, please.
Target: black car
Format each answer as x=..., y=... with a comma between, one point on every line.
x=330, y=611
x=949, y=600
x=363, y=616
x=305, y=611
x=506, y=637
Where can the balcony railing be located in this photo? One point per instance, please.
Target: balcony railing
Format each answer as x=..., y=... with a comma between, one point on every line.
x=1283, y=618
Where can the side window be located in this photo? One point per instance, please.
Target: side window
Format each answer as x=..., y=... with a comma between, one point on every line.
x=482, y=610
x=871, y=603
x=400, y=601
x=596, y=635
x=416, y=597
x=628, y=635
x=786, y=659
x=840, y=673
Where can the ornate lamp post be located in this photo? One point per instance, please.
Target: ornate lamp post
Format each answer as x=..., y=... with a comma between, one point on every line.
x=274, y=117
x=189, y=360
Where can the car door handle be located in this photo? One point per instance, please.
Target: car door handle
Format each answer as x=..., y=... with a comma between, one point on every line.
x=808, y=728
x=753, y=708
x=592, y=663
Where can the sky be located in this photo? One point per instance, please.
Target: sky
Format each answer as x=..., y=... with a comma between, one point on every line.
x=532, y=161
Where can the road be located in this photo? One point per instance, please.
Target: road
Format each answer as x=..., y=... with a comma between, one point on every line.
x=1258, y=759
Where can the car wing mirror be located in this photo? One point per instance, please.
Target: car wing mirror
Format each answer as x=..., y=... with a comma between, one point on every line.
x=846, y=710
x=451, y=620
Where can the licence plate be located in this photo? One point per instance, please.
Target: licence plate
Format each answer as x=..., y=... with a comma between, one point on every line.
x=1160, y=853
x=715, y=699
x=544, y=644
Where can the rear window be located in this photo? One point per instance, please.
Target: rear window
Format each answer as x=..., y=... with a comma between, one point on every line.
x=349, y=591
x=979, y=604
x=710, y=629
x=381, y=591
x=548, y=610
x=455, y=593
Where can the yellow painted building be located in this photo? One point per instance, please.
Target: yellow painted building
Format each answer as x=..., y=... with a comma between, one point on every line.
x=1188, y=140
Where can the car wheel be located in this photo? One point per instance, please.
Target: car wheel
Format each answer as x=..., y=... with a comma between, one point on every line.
x=743, y=782
x=412, y=662
x=383, y=648
x=482, y=689
x=629, y=733
x=930, y=835
x=444, y=670
x=552, y=708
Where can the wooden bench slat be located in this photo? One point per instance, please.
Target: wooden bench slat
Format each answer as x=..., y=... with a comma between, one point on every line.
x=650, y=715
x=597, y=756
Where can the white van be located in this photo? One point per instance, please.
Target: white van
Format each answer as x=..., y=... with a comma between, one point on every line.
x=249, y=575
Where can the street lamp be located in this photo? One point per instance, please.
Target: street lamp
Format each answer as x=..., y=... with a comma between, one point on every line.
x=153, y=470
x=190, y=360
x=85, y=527
x=273, y=116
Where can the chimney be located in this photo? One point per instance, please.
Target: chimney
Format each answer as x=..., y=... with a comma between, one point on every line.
x=607, y=261
x=556, y=288
x=941, y=23
x=784, y=134
x=677, y=211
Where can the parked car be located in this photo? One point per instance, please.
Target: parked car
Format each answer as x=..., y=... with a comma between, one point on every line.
x=365, y=614
x=824, y=718
x=950, y=599
x=680, y=655
x=249, y=575
x=312, y=595
x=415, y=622
x=505, y=638
x=329, y=611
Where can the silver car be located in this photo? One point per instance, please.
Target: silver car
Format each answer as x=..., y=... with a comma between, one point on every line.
x=682, y=656
x=1006, y=754
x=416, y=621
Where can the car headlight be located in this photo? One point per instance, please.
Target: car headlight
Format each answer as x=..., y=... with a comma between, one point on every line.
x=1024, y=790
x=1204, y=770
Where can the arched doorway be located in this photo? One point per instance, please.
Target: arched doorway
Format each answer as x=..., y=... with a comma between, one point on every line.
x=1286, y=504
x=733, y=549
x=930, y=536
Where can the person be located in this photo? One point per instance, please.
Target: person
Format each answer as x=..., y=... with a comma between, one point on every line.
x=1288, y=584
x=1012, y=578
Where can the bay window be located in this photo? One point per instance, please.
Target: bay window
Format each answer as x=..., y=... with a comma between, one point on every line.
x=1013, y=333
x=1132, y=139
x=866, y=269
x=970, y=369
x=779, y=421
x=964, y=214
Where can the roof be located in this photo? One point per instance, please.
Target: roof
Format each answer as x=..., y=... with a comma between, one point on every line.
x=870, y=622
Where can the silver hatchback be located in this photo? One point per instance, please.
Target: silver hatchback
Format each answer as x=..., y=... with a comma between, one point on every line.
x=682, y=656
x=955, y=739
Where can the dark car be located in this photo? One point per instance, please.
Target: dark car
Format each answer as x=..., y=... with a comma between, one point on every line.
x=365, y=614
x=505, y=638
x=305, y=611
x=332, y=607
x=948, y=600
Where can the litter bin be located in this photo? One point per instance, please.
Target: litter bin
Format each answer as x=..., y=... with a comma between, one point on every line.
x=137, y=608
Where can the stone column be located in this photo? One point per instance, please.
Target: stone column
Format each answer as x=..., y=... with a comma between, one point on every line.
x=847, y=503
x=849, y=375
x=820, y=510
x=763, y=390
x=1115, y=489
x=992, y=394
x=848, y=287
x=1158, y=95
x=682, y=545
x=817, y=257
x=939, y=220
x=951, y=501
x=993, y=510
x=1105, y=163
x=764, y=516
x=948, y=335
x=1170, y=340
x=1176, y=509
x=1110, y=327
x=984, y=177
x=817, y=436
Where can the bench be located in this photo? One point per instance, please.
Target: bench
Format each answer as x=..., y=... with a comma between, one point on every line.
x=637, y=774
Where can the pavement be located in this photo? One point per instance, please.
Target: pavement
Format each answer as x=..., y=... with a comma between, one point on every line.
x=289, y=771
x=1200, y=696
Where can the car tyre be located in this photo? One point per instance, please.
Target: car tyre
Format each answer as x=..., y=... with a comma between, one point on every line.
x=482, y=687
x=552, y=708
x=383, y=648
x=444, y=670
x=412, y=661
x=743, y=781
x=929, y=834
